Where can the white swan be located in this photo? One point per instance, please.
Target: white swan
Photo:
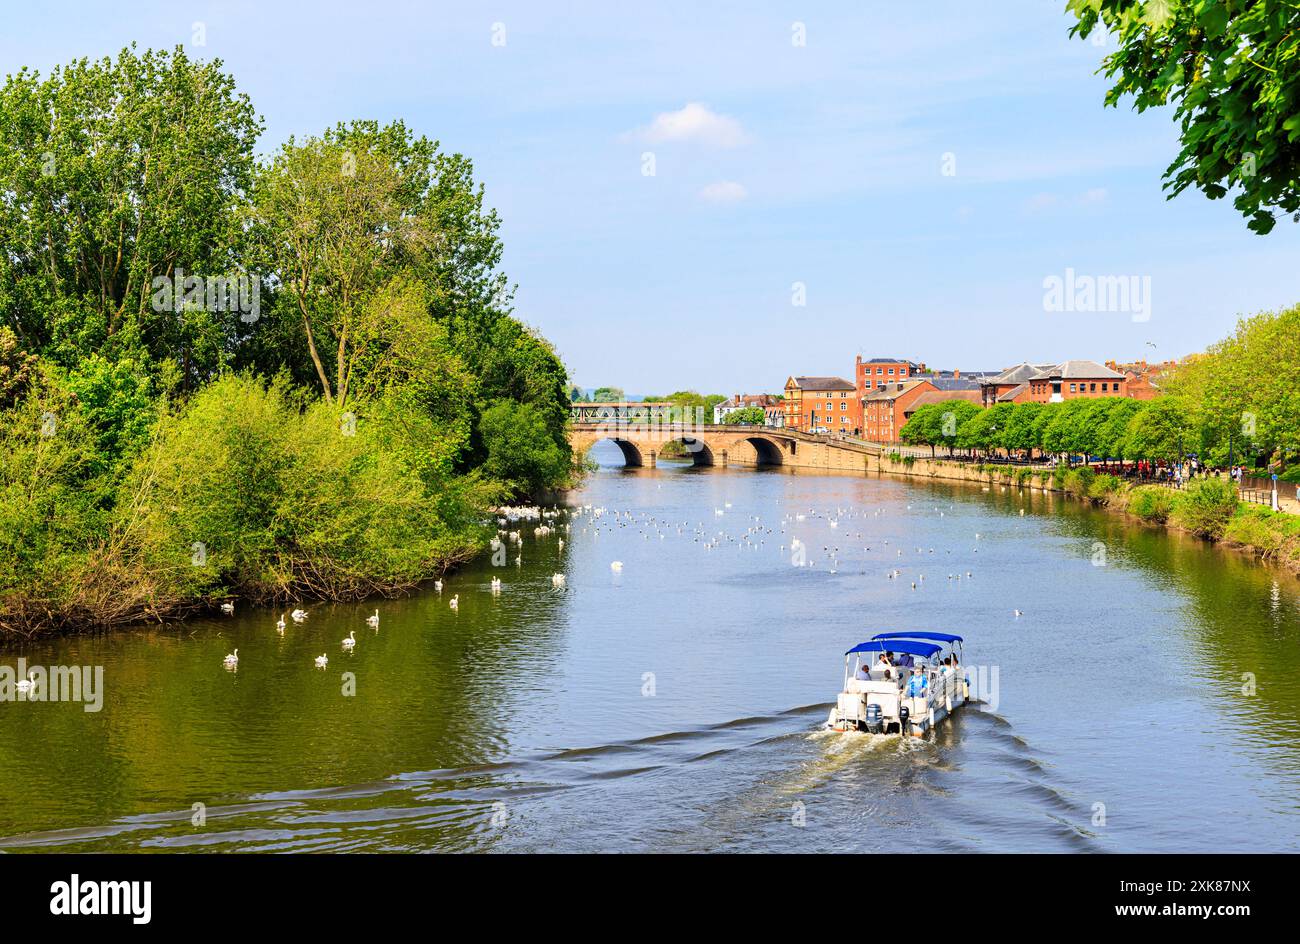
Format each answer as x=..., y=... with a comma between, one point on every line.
x=25, y=685
x=228, y=608
x=496, y=584
x=437, y=585
x=557, y=581
x=322, y=660
x=232, y=660
x=454, y=602
x=616, y=566
x=279, y=624
x=373, y=620
x=350, y=642
x=298, y=615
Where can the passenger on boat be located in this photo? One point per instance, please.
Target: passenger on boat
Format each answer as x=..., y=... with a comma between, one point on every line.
x=864, y=672
x=916, y=685
x=885, y=665
x=905, y=661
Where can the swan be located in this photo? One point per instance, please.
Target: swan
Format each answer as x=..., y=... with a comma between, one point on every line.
x=322, y=660
x=373, y=619
x=1017, y=613
x=280, y=623
x=616, y=566
x=232, y=660
x=228, y=608
x=350, y=642
x=557, y=580
x=496, y=584
x=454, y=602
x=25, y=685
x=298, y=615
x=437, y=585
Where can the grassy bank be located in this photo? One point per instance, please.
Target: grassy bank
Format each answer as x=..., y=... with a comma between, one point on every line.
x=1208, y=508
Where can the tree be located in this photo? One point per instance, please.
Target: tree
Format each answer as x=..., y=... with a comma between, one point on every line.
x=986, y=429
x=1112, y=435
x=747, y=416
x=117, y=172
x=1019, y=433
x=520, y=449
x=1229, y=68
x=923, y=427
x=608, y=395
x=1161, y=431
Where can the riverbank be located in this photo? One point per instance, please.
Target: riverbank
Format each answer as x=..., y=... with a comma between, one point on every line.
x=1208, y=508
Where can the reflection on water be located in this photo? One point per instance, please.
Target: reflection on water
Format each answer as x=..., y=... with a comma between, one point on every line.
x=676, y=705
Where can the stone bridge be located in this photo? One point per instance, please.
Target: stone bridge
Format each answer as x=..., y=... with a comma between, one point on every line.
x=726, y=445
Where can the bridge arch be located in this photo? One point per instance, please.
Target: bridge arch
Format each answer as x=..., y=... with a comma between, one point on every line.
x=633, y=458
x=697, y=450
x=766, y=451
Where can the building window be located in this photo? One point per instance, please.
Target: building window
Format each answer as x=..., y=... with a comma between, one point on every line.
x=1072, y=390
x=1092, y=388
x=891, y=370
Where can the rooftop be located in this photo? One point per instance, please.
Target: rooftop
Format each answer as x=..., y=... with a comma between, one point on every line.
x=942, y=396
x=822, y=383
x=893, y=391
x=1075, y=370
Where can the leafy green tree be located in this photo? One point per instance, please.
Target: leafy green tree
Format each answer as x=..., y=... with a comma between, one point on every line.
x=1019, y=432
x=117, y=172
x=747, y=416
x=1228, y=67
x=521, y=451
x=608, y=395
x=117, y=401
x=1161, y=431
x=1112, y=431
x=986, y=430
x=923, y=427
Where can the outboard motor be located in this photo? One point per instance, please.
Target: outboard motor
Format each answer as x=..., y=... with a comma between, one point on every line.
x=874, y=722
x=904, y=720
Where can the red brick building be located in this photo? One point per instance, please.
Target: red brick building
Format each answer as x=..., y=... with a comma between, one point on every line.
x=1074, y=379
x=880, y=372
x=885, y=409
x=822, y=402
x=1143, y=378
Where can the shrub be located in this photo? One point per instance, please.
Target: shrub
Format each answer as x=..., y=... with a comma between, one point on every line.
x=1260, y=528
x=1078, y=482
x=1104, y=486
x=1206, y=506
x=1152, y=503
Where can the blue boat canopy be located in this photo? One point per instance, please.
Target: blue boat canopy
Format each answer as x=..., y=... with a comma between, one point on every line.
x=941, y=637
x=911, y=646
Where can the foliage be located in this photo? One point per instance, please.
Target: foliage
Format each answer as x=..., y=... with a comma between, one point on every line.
x=1229, y=69
x=1161, y=431
x=746, y=416
x=385, y=313
x=1205, y=506
x=117, y=172
x=1151, y=503
x=521, y=452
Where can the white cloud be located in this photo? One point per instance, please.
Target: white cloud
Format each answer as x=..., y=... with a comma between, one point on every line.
x=724, y=191
x=694, y=122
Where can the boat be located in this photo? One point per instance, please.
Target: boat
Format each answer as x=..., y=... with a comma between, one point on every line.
x=880, y=703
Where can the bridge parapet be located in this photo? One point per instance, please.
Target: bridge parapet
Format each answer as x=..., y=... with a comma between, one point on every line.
x=715, y=444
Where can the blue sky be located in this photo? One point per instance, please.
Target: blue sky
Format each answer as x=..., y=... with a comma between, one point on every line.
x=774, y=163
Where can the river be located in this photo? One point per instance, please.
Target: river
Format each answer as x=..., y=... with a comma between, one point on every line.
x=1148, y=699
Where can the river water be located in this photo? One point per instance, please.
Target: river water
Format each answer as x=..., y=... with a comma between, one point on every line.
x=1148, y=699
